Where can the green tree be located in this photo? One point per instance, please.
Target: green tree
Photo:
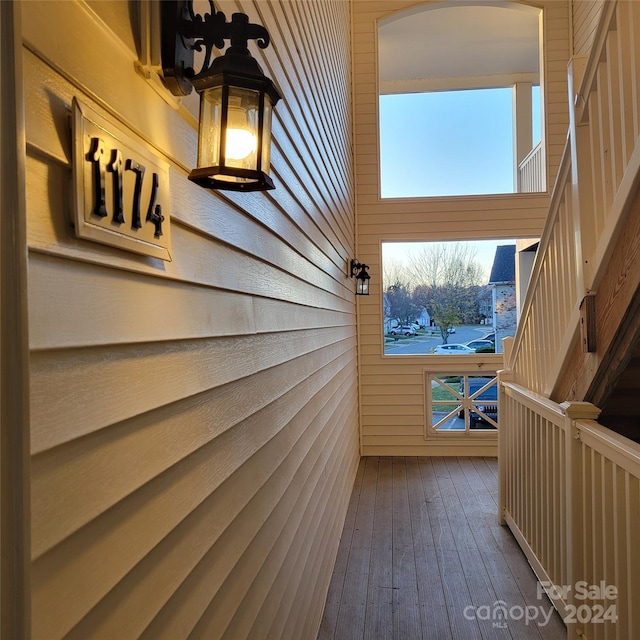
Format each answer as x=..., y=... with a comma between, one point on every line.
x=444, y=311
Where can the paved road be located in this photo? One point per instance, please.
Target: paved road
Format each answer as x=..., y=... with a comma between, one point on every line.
x=424, y=344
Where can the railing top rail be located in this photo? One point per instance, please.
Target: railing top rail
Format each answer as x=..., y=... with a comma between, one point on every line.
x=548, y=409
x=620, y=450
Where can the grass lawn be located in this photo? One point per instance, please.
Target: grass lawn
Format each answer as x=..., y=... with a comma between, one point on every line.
x=438, y=393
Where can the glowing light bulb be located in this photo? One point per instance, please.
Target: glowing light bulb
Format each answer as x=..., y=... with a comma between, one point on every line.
x=239, y=144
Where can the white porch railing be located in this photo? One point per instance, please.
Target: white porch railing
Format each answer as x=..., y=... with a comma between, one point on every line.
x=598, y=172
x=532, y=176
x=570, y=492
x=569, y=487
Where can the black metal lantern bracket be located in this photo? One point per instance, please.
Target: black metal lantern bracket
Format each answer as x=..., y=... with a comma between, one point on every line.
x=184, y=32
x=359, y=271
x=229, y=83
x=356, y=267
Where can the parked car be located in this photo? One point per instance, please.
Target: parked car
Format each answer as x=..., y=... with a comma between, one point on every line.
x=460, y=349
x=490, y=336
x=486, y=402
x=476, y=344
x=405, y=330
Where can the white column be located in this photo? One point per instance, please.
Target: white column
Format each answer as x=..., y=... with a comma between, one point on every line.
x=522, y=125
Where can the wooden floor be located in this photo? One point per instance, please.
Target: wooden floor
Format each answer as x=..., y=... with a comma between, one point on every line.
x=422, y=556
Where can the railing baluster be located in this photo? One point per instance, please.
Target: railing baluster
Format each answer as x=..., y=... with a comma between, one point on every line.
x=614, y=108
x=625, y=79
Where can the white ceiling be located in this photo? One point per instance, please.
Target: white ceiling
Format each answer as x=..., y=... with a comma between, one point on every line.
x=458, y=45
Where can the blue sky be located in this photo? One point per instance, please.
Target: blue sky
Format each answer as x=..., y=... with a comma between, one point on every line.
x=448, y=143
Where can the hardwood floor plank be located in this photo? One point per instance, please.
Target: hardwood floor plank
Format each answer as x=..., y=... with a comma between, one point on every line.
x=448, y=536
x=406, y=612
x=379, y=614
x=438, y=520
x=447, y=480
x=425, y=558
x=431, y=601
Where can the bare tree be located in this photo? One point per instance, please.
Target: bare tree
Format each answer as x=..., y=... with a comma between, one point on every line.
x=451, y=264
x=394, y=273
x=450, y=274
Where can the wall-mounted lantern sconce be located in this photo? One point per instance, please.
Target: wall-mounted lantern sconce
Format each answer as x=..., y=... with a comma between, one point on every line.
x=236, y=98
x=359, y=271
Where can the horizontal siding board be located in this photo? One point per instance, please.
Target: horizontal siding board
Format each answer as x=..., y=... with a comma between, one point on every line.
x=397, y=422
x=414, y=429
x=60, y=288
x=117, y=17
x=461, y=205
x=391, y=410
x=443, y=448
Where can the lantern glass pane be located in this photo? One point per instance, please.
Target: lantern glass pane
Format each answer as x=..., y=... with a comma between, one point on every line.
x=210, y=125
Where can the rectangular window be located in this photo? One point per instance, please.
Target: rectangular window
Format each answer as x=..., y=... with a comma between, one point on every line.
x=451, y=298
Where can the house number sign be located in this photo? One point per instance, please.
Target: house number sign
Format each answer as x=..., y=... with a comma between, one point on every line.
x=121, y=186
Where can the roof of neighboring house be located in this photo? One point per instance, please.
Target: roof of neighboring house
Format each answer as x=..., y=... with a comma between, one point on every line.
x=504, y=264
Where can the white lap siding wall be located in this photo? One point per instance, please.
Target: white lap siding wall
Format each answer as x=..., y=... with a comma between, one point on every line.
x=194, y=423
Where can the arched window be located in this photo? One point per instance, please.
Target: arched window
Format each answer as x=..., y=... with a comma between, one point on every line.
x=459, y=107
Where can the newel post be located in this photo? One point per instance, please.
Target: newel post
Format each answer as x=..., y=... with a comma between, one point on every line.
x=574, y=412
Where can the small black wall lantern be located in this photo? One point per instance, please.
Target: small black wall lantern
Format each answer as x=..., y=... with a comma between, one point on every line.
x=236, y=98
x=359, y=271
